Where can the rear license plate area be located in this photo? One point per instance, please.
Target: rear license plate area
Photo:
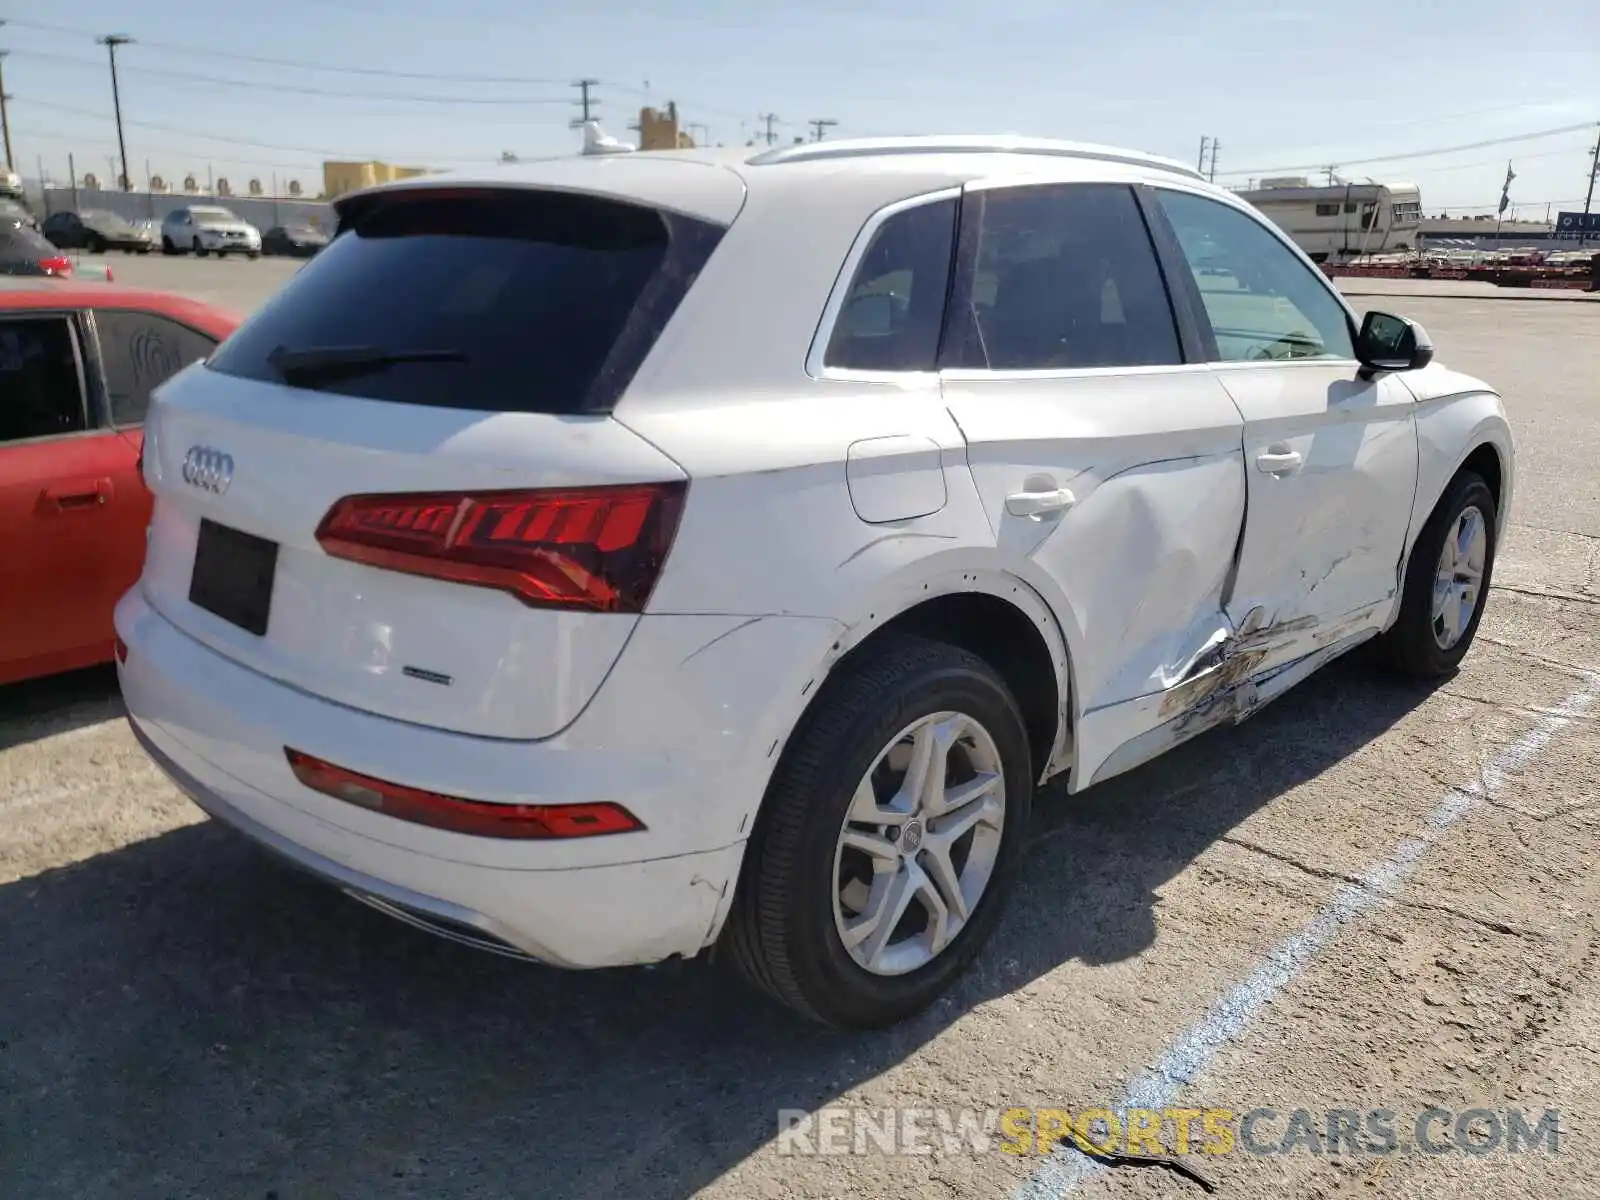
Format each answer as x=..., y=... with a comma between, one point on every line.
x=233, y=574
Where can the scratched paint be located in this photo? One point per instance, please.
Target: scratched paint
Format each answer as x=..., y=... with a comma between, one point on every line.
x=1065, y=1169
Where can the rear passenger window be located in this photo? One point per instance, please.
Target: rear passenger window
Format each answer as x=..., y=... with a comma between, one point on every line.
x=514, y=300
x=139, y=352
x=893, y=312
x=1059, y=277
x=41, y=391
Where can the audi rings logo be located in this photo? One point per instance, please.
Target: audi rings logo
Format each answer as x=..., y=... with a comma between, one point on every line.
x=209, y=469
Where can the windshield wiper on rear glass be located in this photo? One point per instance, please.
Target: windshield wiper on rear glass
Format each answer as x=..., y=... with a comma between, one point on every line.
x=324, y=364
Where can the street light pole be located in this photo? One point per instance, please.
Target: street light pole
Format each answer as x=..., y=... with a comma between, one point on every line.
x=5, y=117
x=111, y=42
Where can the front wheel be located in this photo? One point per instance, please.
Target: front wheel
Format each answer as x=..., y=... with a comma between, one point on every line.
x=1447, y=582
x=199, y=250
x=889, y=837
x=95, y=245
x=252, y=254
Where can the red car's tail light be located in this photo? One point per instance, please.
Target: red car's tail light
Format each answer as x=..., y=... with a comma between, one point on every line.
x=594, y=548
x=475, y=817
x=56, y=264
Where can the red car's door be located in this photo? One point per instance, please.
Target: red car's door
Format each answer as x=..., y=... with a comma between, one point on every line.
x=72, y=509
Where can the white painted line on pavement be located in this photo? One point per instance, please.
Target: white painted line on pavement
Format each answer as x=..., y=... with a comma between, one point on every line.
x=1065, y=1169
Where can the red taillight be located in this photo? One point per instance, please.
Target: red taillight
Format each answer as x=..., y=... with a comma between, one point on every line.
x=597, y=548
x=58, y=264
x=475, y=817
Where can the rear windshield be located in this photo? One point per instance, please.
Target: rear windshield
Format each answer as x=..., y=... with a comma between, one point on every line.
x=21, y=242
x=505, y=301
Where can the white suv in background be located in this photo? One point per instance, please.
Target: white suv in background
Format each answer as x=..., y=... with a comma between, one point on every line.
x=610, y=559
x=207, y=229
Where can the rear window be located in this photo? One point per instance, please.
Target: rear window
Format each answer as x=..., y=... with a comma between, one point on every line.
x=504, y=301
x=22, y=242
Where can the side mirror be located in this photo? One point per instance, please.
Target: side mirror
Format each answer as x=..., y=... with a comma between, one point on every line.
x=1390, y=343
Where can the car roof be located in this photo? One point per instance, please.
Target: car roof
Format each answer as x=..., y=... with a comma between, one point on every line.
x=712, y=183
x=32, y=293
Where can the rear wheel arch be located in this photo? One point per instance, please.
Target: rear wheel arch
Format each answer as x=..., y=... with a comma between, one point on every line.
x=994, y=615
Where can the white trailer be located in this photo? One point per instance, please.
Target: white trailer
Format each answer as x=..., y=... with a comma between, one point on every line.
x=1342, y=220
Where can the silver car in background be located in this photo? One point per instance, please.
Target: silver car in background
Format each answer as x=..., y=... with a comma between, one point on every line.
x=209, y=229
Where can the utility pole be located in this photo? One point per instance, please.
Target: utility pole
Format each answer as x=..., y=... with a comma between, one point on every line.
x=111, y=42
x=1588, y=200
x=1200, y=163
x=768, y=119
x=819, y=125
x=5, y=117
x=1212, y=173
x=586, y=103
x=1331, y=170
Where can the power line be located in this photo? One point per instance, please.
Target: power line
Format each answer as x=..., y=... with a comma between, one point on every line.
x=370, y=72
x=1386, y=158
x=230, y=139
x=262, y=85
x=382, y=72
x=819, y=126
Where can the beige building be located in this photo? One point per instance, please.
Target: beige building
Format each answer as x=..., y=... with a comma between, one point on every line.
x=341, y=177
x=658, y=130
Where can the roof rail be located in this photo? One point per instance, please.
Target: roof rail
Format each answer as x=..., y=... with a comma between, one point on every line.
x=966, y=144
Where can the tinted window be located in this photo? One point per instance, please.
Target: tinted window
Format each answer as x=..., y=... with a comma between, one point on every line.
x=23, y=244
x=139, y=352
x=1061, y=276
x=40, y=393
x=528, y=301
x=1263, y=302
x=894, y=309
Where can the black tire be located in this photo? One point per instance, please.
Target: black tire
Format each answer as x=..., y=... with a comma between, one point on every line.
x=1410, y=646
x=780, y=934
x=166, y=245
x=199, y=250
x=95, y=245
x=144, y=249
x=252, y=254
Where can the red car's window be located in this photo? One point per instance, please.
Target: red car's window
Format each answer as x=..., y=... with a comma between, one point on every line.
x=41, y=393
x=140, y=351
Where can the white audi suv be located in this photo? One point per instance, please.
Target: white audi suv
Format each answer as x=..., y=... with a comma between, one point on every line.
x=609, y=559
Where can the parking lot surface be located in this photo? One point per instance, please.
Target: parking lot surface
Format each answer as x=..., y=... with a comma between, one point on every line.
x=1370, y=896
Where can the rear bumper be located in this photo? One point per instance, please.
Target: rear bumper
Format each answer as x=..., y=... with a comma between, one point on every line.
x=219, y=730
x=594, y=917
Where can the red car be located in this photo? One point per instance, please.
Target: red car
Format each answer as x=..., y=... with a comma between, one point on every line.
x=77, y=365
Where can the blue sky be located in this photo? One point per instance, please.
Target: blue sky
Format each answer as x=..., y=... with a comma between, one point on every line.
x=1280, y=85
